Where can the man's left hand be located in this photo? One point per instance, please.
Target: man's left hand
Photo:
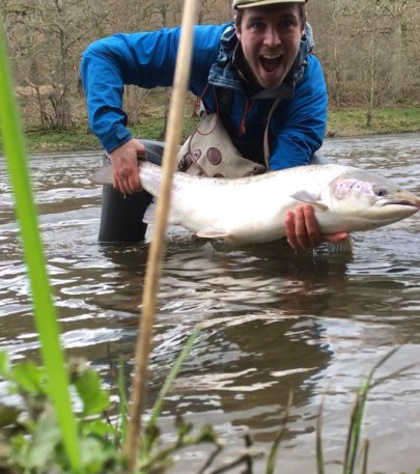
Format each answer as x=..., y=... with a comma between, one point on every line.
x=302, y=230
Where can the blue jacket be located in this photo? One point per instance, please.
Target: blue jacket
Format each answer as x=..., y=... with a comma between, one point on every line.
x=148, y=59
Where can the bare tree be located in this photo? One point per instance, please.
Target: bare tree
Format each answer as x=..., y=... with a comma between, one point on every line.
x=337, y=27
x=48, y=37
x=368, y=48
x=396, y=11
x=64, y=24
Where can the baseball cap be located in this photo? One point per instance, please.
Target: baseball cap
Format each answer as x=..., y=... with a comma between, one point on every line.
x=260, y=3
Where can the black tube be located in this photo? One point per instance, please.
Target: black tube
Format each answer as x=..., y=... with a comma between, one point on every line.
x=122, y=215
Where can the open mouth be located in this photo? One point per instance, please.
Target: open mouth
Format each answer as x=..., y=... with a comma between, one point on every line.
x=401, y=198
x=402, y=202
x=270, y=64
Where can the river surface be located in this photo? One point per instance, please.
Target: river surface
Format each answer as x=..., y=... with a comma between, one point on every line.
x=313, y=324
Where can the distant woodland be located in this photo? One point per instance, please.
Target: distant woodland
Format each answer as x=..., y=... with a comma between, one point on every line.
x=369, y=50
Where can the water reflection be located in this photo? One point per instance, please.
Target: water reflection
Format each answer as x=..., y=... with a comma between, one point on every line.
x=275, y=322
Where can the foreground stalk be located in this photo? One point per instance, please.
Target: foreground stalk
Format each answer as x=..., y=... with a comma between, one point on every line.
x=157, y=248
x=45, y=315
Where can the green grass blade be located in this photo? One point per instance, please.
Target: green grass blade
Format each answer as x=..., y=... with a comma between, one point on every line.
x=279, y=437
x=381, y=362
x=319, y=445
x=350, y=435
x=45, y=316
x=123, y=405
x=356, y=431
x=365, y=456
x=172, y=375
x=363, y=393
x=356, y=422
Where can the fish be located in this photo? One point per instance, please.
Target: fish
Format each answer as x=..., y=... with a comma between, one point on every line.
x=253, y=209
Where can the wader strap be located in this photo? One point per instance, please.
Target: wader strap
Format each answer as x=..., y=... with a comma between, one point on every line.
x=266, y=139
x=224, y=98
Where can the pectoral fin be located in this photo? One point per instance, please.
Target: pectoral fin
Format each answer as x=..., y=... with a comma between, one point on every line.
x=149, y=216
x=308, y=198
x=150, y=213
x=212, y=234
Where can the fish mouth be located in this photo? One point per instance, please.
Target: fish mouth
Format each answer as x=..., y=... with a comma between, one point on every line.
x=403, y=199
x=401, y=203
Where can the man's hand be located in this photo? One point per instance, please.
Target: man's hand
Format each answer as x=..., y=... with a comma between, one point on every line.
x=125, y=172
x=302, y=230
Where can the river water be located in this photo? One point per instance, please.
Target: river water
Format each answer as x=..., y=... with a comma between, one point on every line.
x=313, y=324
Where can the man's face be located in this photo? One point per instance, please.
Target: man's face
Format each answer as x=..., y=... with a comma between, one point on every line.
x=270, y=39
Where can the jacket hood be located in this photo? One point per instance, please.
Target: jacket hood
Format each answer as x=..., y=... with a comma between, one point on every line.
x=223, y=72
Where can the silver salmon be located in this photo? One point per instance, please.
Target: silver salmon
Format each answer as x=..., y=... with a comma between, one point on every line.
x=253, y=209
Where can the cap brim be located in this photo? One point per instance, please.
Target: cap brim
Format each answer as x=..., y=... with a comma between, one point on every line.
x=263, y=3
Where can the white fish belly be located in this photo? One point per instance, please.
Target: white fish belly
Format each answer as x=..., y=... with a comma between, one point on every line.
x=234, y=211
x=244, y=210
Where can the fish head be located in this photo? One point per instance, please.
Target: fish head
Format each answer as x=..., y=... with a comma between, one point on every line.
x=371, y=199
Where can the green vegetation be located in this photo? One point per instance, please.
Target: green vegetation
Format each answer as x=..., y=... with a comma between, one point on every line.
x=387, y=120
x=341, y=123
x=353, y=449
x=80, y=138
x=31, y=441
x=44, y=311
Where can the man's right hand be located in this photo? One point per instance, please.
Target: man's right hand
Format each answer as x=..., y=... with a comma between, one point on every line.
x=302, y=230
x=125, y=172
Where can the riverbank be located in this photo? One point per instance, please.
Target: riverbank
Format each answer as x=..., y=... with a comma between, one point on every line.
x=341, y=123
x=388, y=120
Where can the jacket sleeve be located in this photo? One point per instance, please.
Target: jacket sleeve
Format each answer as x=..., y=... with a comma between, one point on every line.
x=109, y=63
x=298, y=125
x=145, y=59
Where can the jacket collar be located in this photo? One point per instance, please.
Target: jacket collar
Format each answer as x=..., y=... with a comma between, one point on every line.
x=224, y=71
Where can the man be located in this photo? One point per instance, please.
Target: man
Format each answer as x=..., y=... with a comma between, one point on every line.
x=257, y=73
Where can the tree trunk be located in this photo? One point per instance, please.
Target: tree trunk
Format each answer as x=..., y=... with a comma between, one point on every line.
x=397, y=49
x=336, y=13
x=372, y=68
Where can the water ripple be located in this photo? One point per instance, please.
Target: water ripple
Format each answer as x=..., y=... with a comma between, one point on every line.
x=273, y=322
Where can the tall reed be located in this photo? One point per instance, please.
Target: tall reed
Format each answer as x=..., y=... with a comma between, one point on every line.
x=157, y=248
x=45, y=315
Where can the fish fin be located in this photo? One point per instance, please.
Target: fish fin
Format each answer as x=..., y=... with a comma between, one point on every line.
x=149, y=216
x=150, y=213
x=212, y=234
x=308, y=198
x=102, y=175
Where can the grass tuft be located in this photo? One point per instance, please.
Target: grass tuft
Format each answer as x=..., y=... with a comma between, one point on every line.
x=44, y=311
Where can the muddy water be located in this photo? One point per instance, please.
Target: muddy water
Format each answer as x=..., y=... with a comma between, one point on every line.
x=275, y=322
